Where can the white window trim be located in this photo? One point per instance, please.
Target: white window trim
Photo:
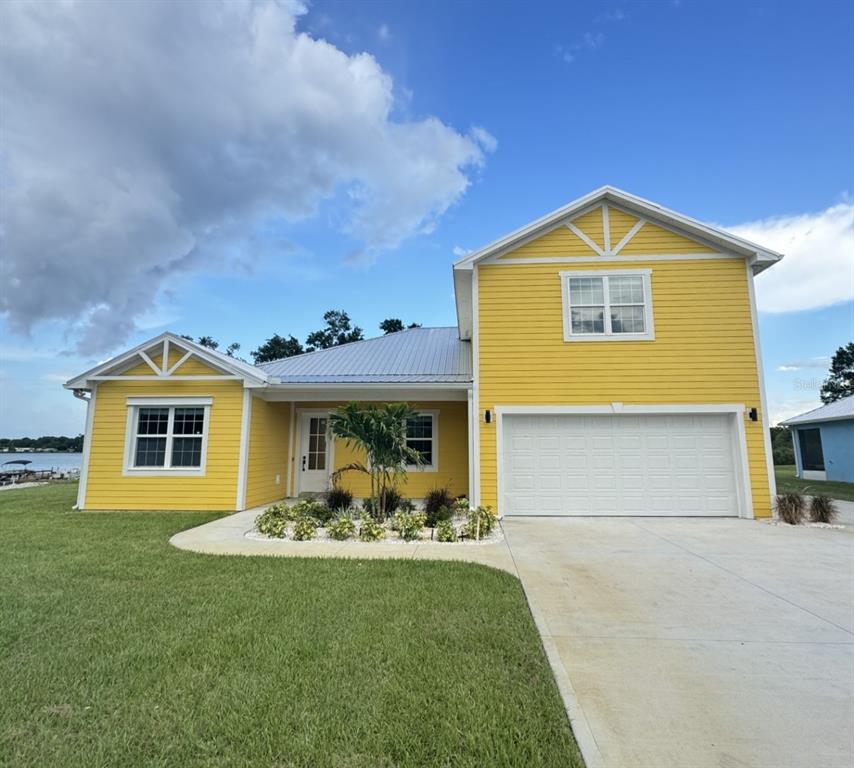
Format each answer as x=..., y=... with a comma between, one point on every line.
x=133, y=406
x=647, y=335
x=433, y=466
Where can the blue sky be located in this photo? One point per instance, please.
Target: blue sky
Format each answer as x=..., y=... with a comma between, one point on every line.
x=737, y=114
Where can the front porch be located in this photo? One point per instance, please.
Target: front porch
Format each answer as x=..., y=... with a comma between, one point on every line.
x=289, y=451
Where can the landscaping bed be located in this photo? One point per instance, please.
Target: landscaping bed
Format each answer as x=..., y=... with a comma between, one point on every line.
x=441, y=519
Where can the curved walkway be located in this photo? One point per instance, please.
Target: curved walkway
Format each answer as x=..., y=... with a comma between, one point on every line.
x=227, y=536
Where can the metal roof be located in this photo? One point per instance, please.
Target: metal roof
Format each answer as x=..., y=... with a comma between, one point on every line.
x=841, y=409
x=416, y=355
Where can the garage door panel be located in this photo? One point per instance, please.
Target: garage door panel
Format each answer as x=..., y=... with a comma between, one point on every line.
x=619, y=465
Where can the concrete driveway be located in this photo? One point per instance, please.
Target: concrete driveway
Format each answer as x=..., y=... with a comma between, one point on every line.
x=695, y=643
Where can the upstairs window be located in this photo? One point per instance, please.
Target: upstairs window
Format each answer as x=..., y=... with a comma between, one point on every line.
x=167, y=437
x=421, y=437
x=607, y=305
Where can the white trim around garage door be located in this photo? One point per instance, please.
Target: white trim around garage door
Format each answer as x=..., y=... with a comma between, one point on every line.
x=735, y=410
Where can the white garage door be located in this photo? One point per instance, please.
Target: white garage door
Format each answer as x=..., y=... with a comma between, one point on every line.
x=619, y=465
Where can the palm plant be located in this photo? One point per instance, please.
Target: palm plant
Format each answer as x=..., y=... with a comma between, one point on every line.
x=378, y=430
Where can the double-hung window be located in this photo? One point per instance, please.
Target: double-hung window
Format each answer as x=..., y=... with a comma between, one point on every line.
x=422, y=437
x=607, y=305
x=167, y=436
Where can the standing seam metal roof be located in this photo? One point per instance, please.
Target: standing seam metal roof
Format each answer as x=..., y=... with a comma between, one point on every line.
x=839, y=409
x=410, y=356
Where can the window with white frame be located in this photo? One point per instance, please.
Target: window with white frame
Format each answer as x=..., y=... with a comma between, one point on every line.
x=607, y=305
x=421, y=437
x=167, y=436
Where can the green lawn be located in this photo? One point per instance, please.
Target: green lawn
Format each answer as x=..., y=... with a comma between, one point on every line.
x=116, y=649
x=787, y=482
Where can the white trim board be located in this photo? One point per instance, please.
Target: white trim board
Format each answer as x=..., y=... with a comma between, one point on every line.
x=503, y=261
x=763, y=401
x=735, y=410
x=243, y=460
x=87, y=449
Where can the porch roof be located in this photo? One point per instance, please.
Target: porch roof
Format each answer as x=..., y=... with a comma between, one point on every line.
x=412, y=356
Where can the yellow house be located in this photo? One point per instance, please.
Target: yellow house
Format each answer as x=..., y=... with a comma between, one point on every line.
x=605, y=361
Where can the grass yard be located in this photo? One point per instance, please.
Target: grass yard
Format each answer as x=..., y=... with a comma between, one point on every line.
x=116, y=649
x=787, y=483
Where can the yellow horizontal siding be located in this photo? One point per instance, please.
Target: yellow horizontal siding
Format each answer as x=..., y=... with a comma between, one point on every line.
x=267, y=466
x=620, y=224
x=108, y=488
x=194, y=367
x=651, y=239
x=561, y=241
x=453, y=467
x=703, y=350
x=592, y=225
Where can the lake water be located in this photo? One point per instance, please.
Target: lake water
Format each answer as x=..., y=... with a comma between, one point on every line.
x=60, y=461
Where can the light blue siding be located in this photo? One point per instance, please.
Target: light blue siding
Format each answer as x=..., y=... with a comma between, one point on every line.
x=837, y=445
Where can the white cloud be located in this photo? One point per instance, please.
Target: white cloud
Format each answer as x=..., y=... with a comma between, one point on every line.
x=484, y=138
x=798, y=365
x=384, y=33
x=786, y=409
x=818, y=268
x=143, y=140
x=459, y=251
x=57, y=377
x=589, y=41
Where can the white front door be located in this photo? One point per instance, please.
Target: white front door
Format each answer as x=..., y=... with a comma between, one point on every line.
x=313, y=457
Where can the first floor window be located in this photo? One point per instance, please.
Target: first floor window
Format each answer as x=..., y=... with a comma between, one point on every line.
x=607, y=305
x=168, y=437
x=420, y=437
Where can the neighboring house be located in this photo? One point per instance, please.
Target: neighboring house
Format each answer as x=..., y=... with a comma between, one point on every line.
x=605, y=362
x=824, y=442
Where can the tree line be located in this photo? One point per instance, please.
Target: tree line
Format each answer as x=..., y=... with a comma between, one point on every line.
x=338, y=329
x=56, y=443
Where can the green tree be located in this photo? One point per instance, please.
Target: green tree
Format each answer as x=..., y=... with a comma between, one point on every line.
x=391, y=325
x=211, y=343
x=395, y=324
x=840, y=382
x=782, y=449
x=276, y=348
x=338, y=331
x=378, y=430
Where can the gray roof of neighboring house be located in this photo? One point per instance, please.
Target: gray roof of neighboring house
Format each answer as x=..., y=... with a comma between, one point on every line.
x=841, y=409
x=416, y=355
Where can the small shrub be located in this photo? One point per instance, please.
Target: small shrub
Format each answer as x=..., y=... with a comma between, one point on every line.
x=406, y=505
x=367, y=508
x=480, y=522
x=461, y=507
x=305, y=528
x=392, y=499
x=312, y=508
x=371, y=530
x=339, y=499
x=445, y=531
x=408, y=524
x=273, y=521
x=434, y=501
x=823, y=509
x=790, y=508
x=341, y=529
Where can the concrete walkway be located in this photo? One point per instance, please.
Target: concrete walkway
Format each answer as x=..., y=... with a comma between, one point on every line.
x=696, y=643
x=227, y=536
